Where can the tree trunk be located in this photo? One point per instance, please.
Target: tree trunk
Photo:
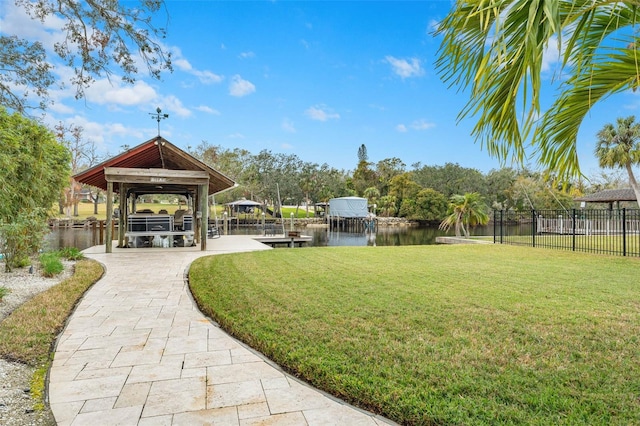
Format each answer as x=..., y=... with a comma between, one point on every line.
x=633, y=183
x=465, y=230
x=458, y=226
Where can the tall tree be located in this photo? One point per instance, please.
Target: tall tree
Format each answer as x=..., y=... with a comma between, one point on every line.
x=71, y=137
x=385, y=171
x=495, y=51
x=363, y=177
x=404, y=189
x=362, y=154
x=96, y=36
x=451, y=179
x=499, y=184
x=35, y=168
x=619, y=147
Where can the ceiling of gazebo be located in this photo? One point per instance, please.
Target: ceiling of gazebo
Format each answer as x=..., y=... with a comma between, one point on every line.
x=157, y=154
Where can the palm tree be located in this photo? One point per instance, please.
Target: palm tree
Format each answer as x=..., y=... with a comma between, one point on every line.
x=619, y=147
x=465, y=211
x=495, y=51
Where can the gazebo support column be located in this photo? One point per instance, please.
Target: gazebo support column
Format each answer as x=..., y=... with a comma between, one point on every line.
x=107, y=241
x=204, y=208
x=121, y=217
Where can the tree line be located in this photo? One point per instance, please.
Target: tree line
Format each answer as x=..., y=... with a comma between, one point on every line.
x=419, y=192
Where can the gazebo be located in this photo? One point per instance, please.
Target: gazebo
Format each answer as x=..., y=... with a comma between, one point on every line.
x=243, y=206
x=610, y=196
x=155, y=167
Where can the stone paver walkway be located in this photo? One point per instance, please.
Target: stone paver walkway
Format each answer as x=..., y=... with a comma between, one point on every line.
x=137, y=351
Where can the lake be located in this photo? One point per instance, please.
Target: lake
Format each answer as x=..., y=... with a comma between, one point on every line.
x=388, y=236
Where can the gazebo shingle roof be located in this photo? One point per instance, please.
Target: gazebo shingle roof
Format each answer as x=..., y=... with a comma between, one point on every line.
x=609, y=196
x=156, y=153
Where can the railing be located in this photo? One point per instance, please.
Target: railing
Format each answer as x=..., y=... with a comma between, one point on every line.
x=615, y=232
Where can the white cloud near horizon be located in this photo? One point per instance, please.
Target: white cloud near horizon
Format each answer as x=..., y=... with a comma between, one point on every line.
x=240, y=87
x=321, y=113
x=405, y=68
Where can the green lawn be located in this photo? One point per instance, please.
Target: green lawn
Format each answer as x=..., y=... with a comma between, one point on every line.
x=468, y=334
x=606, y=244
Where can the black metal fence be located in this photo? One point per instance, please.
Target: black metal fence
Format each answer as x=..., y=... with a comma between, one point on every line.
x=614, y=232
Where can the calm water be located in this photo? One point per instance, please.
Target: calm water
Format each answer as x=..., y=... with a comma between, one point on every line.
x=397, y=236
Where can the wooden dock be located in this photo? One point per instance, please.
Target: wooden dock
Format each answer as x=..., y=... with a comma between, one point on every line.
x=283, y=240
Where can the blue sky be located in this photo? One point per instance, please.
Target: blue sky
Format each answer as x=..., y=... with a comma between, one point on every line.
x=316, y=79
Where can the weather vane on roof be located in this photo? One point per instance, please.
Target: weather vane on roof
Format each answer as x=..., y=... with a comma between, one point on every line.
x=159, y=116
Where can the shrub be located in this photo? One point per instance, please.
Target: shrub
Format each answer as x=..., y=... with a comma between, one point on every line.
x=3, y=292
x=51, y=263
x=20, y=239
x=71, y=253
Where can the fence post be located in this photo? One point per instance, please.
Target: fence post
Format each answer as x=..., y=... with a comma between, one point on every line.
x=624, y=231
x=534, y=225
x=501, y=225
x=495, y=220
x=573, y=230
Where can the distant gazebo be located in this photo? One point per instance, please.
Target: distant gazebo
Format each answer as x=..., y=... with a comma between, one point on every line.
x=243, y=206
x=610, y=196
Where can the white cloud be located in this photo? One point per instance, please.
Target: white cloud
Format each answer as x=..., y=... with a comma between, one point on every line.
x=287, y=126
x=16, y=21
x=174, y=105
x=181, y=64
x=321, y=113
x=246, y=55
x=405, y=68
x=236, y=136
x=208, y=110
x=205, y=77
x=105, y=92
x=104, y=134
x=240, y=87
x=422, y=124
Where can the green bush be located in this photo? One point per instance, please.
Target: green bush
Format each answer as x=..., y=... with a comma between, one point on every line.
x=3, y=292
x=51, y=263
x=71, y=253
x=20, y=239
